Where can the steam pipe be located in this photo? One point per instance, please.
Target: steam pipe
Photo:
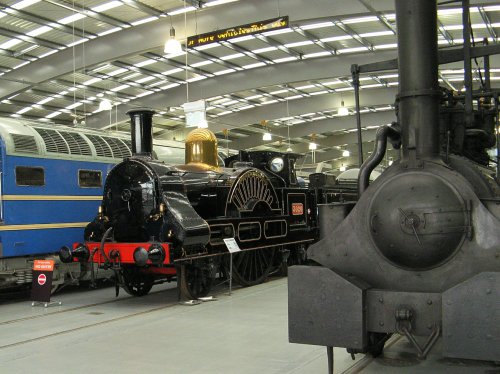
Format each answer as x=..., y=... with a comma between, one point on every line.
x=141, y=129
x=371, y=162
x=418, y=77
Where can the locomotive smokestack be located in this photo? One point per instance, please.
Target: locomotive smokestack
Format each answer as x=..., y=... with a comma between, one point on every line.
x=142, y=131
x=418, y=77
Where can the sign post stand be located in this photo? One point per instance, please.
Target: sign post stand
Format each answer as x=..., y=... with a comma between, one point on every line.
x=232, y=247
x=42, y=283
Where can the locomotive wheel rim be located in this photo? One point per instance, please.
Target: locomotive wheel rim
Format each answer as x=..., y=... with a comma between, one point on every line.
x=195, y=281
x=251, y=267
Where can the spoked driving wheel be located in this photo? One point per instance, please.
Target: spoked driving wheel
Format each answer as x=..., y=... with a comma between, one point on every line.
x=252, y=267
x=195, y=279
x=135, y=283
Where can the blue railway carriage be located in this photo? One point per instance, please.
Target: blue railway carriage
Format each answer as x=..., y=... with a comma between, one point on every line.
x=51, y=185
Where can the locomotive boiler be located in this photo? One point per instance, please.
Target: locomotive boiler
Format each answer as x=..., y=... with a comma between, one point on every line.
x=158, y=221
x=419, y=254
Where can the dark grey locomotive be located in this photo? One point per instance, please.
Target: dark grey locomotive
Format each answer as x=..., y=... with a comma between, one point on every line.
x=419, y=254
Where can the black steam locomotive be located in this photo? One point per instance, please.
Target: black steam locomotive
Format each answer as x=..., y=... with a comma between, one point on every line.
x=419, y=254
x=159, y=221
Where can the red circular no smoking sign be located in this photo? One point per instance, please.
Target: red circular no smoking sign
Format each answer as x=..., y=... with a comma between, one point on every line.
x=42, y=279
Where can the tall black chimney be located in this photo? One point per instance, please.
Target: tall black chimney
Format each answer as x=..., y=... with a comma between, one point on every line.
x=418, y=77
x=141, y=129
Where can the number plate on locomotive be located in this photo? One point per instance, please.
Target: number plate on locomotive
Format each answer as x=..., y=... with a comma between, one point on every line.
x=297, y=209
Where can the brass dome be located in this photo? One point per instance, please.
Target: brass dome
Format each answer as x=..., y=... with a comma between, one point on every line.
x=201, y=149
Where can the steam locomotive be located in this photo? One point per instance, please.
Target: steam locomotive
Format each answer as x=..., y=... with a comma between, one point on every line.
x=419, y=253
x=158, y=221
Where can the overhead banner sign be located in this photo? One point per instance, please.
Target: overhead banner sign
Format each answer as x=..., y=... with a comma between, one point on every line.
x=237, y=31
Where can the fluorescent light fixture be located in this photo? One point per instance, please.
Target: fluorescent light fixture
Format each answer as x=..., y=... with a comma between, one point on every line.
x=352, y=50
x=342, y=168
x=346, y=153
x=146, y=93
x=24, y=4
x=242, y=38
x=277, y=32
x=253, y=97
x=206, y=46
x=376, y=33
x=72, y=18
x=336, y=38
x=267, y=136
x=388, y=46
x=313, y=146
x=105, y=104
x=197, y=78
x=107, y=6
x=224, y=113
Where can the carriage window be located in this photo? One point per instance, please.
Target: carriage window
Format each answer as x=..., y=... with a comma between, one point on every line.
x=30, y=176
x=89, y=178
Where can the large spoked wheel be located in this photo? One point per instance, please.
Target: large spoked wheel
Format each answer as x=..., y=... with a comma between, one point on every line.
x=252, y=267
x=195, y=280
x=135, y=283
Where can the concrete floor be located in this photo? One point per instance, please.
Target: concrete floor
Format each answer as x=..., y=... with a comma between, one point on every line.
x=92, y=332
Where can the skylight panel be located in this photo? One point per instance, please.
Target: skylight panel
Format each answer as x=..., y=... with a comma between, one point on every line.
x=386, y=46
x=242, y=38
x=232, y=57
x=218, y=2
x=285, y=59
x=181, y=10
x=299, y=44
x=39, y=31
x=317, y=54
x=168, y=86
x=144, y=20
x=110, y=31
x=145, y=79
x=316, y=25
x=107, y=6
x=72, y=106
x=263, y=50
x=376, y=33
x=24, y=110
x=206, y=46
x=53, y=114
x=349, y=21
x=44, y=101
x=10, y=43
x=144, y=63
x=201, y=63
x=252, y=66
x=72, y=18
x=277, y=32
x=172, y=71
x=116, y=72
x=91, y=81
x=198, y=78
x=336, y=38
x=23, y=4
x=120, y=88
